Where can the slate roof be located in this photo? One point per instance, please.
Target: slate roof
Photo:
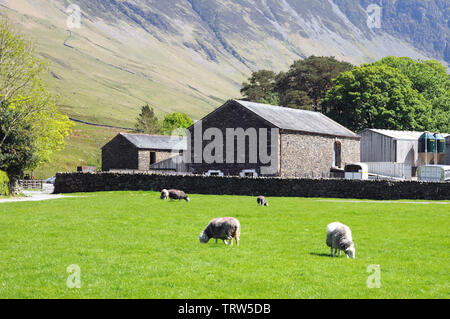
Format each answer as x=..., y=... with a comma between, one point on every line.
x=298, y=120
x=157, y=142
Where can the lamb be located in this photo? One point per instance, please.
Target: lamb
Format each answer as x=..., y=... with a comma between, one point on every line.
x=339, y=237
x=164, y=194
x=225, y=228
x=261, y=200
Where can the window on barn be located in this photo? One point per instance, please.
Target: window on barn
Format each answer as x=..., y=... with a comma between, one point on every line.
x=214, y=173
x=337, y=152
x=152, y=158
x=249, y=173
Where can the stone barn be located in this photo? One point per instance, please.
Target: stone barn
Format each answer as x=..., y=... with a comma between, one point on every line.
x=252, y=139
x=140, y=151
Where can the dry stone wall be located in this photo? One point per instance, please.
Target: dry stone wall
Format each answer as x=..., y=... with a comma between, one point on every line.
x=195, y=184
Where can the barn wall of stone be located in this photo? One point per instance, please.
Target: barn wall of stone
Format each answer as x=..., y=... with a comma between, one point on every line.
x=311, y=155
x=231, y=116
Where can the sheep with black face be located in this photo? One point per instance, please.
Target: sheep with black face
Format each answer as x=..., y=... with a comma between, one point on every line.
x=225, y=228
x=339, y=237
x=262, y=201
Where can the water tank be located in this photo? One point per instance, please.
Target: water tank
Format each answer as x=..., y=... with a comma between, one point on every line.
x=440, y=148
x=430, y=140
x=427, y=142
x=440, y=141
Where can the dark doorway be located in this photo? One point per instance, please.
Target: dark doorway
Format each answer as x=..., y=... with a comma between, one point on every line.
x=152, y=158
x=337, y=154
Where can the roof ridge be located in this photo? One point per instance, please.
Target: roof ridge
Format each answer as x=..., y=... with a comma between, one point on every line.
x=151, y=135
x=289, y=112
x=281, y=107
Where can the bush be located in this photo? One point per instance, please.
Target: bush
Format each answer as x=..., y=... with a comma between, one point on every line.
x=4, y=184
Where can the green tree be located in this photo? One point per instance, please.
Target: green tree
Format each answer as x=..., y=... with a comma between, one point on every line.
x=147, y=122
x=430, y=79
x=4, y=184
x=176, y=123
x=377, y=96
x=302, y=87
x=307, y=81
x=32, y=127
x=261, y=88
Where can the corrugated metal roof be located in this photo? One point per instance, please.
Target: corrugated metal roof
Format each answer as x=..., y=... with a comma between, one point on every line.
x=157, y=142
x=400, y=135
x=298, y=120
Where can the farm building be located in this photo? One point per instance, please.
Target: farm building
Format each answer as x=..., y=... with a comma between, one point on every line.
x=391, y=146
x=298, y=142
x=140, y=151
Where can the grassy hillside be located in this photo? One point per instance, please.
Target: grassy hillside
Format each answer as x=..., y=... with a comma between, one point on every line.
x=104, y=79
x=83, y=148
x=186, y=56
x=134, y=245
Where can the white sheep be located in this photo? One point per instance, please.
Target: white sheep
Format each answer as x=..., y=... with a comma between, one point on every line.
x=225, y=228
x=339, y=237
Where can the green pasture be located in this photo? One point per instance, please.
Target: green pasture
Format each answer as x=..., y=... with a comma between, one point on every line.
x=134, y=245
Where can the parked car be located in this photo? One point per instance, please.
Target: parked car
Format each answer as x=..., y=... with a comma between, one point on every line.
x=51, y=180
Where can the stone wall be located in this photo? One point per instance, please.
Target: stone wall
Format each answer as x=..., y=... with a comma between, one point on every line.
x=144, y=157
x=329, y=188
x=312, y=155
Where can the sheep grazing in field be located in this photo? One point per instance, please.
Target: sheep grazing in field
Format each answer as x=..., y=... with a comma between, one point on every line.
x=339, y=237
x=225, y=228
x=177, y=194
x=164, y=194
x=261, y=200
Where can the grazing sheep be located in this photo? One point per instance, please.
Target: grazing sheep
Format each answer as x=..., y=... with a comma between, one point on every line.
x=261, y=200
x=339, y=237
x=225, y=228
x=177, y=194
x=164, y=194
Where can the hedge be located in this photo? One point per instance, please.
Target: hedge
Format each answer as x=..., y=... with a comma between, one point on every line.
x=4, y=184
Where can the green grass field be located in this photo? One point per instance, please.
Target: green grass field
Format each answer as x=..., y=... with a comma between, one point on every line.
x=134, y=245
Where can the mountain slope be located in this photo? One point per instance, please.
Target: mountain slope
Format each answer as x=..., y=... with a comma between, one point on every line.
x=192, y=55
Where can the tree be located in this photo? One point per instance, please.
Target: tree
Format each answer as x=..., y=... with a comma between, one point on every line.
x=18, y=150
x=32, y=127
x=309, y=79
x=147, y=122
x=377, y=96
x=261, y=88
x=175, y=124
x=431, y=80
x=302, y=87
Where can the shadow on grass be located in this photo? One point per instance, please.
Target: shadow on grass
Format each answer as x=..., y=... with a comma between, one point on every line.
x=320, y=255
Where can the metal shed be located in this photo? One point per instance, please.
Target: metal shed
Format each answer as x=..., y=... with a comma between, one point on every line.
x=390, y=146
